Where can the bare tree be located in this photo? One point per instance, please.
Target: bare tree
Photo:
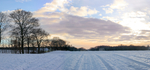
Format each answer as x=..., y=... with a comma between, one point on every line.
x=47, y=42
x=28, y=38
x=39, y=35
x=23, y=22
x=4, y=23
x=58, y=43
x=33, y=42
x=28, y=42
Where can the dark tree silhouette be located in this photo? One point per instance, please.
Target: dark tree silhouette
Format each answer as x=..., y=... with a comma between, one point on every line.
x=47, y=42
x=39, y=35
x=58, y=43
x=4, y=23
x=28, y=40
x=33, y=42
x=23, y=22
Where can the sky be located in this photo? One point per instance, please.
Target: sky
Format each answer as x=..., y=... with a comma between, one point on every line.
x=86, y=23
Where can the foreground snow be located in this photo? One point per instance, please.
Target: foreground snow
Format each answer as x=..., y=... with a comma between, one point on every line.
x=88, y=60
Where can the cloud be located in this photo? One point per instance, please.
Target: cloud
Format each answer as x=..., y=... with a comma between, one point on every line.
x=138, y=5
x=105, y=5
x=145, y=32
x=82, y=31
x=49, y=20
x=118, y=4
x=100, y=14
x=75, y=27
x=110, y=18
x=137, y=18
x=53, y=6
x=82, y=11
x=48, y=14
x=137, y=14
x=134, y=15
x=61, y=6
x=142, y=38
x=108, y=10
x=86, y=28
x=142, y=35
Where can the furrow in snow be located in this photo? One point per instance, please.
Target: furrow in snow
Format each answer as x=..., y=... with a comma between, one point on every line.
x=105, y=63
x=121, y=63
x=62, y=62
x=78, y=63
x=97, y=63
x=137, y=62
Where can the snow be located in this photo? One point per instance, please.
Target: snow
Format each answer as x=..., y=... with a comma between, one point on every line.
x=77, y=60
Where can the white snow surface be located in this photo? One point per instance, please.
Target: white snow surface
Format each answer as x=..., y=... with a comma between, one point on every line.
x=77, y=60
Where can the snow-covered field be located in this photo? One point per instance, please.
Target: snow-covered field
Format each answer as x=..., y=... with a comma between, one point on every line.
x=84, y=60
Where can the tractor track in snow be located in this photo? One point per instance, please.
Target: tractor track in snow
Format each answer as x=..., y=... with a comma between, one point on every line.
x=121, y=63
x=140, y=63
x=105, y=63
x=77, y=64
x=62, y=63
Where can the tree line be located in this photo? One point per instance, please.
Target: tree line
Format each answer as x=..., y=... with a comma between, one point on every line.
x=24, y=31
x=119, y=47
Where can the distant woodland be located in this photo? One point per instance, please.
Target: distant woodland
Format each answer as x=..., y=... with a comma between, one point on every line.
x=119, y=47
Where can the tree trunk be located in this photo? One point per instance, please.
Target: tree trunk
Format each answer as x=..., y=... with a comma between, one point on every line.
x=22, y=42
x=19, y=48
x=43, y=48
x=38, y=48
x=0, y=35
x=28, y=45
x=33, y=47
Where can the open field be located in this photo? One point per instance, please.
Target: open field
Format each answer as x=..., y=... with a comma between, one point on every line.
x=86, y=60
